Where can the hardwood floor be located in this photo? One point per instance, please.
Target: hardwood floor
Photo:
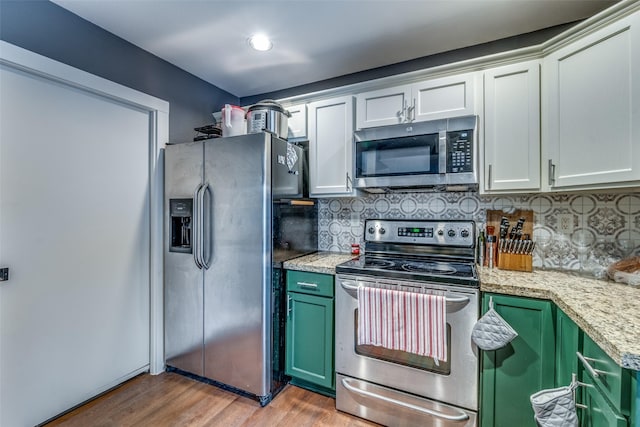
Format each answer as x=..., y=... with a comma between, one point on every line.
x=170, y=399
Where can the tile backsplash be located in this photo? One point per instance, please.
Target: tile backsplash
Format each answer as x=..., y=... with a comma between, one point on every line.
x=605, y=220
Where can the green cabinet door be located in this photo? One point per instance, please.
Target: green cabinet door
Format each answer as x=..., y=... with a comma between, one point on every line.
x=568, y=343
x=598, y=412
x=526, y=365
x=309, y=348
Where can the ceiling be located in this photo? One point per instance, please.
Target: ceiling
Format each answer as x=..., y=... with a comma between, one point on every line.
x=314, y=40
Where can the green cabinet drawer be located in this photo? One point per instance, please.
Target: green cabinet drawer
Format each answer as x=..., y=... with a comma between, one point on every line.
x=597, y=411
x=613, y=380
x=310, y=283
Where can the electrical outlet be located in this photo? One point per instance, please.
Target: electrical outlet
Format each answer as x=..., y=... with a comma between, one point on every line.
x=565, y=223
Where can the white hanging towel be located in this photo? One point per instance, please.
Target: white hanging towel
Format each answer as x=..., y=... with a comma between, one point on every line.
x=406, y=321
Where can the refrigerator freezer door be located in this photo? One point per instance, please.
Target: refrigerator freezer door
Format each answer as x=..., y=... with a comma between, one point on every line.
x=237, y=286
x=183, y=293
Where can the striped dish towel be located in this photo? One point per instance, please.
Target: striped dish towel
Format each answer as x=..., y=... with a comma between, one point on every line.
x=406, y=321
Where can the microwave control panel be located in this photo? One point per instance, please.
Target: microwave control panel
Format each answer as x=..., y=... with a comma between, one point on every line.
x=460, y=151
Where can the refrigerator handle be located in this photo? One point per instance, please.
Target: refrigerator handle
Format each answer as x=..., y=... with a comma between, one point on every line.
x=201, y=207
x=195, y=231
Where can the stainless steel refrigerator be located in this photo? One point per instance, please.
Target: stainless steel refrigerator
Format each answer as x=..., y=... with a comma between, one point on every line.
x=219, y=250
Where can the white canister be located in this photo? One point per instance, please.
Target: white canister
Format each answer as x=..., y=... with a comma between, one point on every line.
x=233, y=121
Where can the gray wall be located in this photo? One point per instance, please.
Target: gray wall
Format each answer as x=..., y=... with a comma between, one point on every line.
x=46, y=28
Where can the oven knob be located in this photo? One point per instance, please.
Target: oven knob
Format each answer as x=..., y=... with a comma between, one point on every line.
x=382, y=230
x=451, y=233
x=371, y=230
x=464, y=233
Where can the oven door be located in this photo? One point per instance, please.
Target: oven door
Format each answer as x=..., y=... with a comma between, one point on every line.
x=454, y=381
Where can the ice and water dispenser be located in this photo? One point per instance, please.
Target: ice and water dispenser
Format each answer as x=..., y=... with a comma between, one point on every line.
x=181, y=213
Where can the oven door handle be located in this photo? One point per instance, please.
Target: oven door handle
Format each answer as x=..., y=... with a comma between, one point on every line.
x=353, y=291
x=460, y=417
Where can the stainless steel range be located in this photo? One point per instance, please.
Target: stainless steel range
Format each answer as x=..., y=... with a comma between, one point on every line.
x=395, y=387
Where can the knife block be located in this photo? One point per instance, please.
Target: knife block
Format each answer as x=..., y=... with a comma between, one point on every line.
x=506, y=260
x=516, y=262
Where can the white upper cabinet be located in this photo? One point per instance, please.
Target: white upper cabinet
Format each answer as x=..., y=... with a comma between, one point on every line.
x=428, y=100
x=512, y=128
x=331, y=147
x=592, y=110
x=443, y=98
x=388, y=106
x=297, y=122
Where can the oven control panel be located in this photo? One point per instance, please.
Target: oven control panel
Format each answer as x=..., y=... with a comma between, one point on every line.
x=444, y=233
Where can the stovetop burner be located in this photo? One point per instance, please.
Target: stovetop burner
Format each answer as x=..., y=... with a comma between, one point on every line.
x=429, y=268
x=378, y=263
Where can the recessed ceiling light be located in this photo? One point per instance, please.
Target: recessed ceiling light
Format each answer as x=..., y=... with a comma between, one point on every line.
x=260, y=42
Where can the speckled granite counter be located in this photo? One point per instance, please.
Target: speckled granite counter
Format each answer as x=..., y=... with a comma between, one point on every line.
x=319, y=262
x=606, y=311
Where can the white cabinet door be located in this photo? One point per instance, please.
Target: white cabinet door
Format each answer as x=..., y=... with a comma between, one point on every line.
x=443, y=98
x=512, y=127
x=383, y=107
x=592, y=104
x=297, y=121
x=331, y=147
x=428, y=100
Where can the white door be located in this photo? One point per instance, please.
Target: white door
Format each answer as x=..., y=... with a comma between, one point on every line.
x=74, y=231
x=592, y=94
x=443, y=98
x=297, y=121
x=512, y=127
x=331, y=147
x=389, y=106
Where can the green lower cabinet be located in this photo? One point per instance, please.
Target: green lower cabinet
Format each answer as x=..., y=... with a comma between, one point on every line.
x=635, y=407
x=568, y=343
x=309, y=341
x=598, y=412
x=510, y=375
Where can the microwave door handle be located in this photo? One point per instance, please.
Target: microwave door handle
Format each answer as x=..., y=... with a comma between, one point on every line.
x=442, y=152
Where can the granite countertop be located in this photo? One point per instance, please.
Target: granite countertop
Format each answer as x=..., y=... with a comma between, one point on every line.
x=606, y=311
x=319, y=262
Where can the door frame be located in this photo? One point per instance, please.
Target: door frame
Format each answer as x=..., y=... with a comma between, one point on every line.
x=24, y=60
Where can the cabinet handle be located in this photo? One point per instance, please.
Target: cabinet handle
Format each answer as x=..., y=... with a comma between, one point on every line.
x=595, y=373
x=308, y=285
x=489, y=178
x=288, y=306
x=552, y=173
x=348, y=182
x=411, y=112
x=405, y=112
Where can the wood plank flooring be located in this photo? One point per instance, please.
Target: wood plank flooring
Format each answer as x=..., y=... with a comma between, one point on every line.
x=170, y=399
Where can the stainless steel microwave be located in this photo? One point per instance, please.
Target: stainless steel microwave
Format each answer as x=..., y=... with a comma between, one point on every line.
x=438, y=153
